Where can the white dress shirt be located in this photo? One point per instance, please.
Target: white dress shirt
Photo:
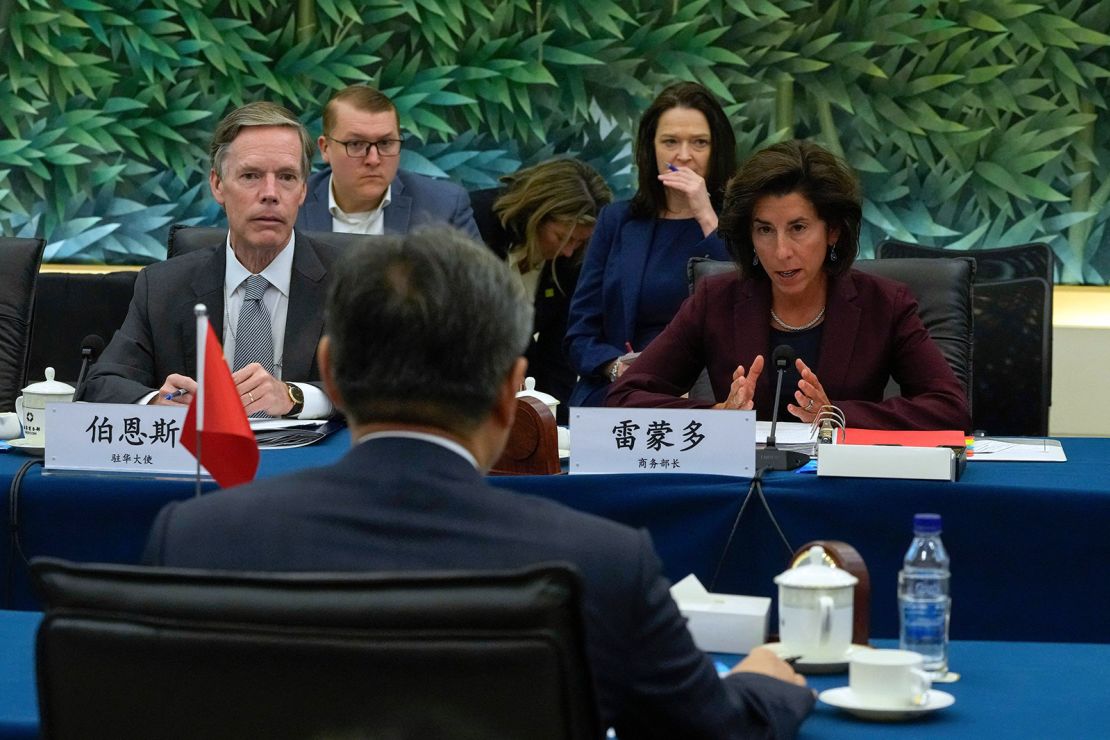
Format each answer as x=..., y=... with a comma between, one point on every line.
x=364, y=222
x=276, y=302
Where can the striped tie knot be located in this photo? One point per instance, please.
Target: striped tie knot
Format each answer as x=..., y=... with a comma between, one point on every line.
x=256, y=287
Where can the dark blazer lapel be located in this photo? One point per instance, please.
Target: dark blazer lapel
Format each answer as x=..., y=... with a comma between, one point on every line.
x=398, y=213
x=208, y=288
x=841, y=332
x=304, y=322
x=636, y=236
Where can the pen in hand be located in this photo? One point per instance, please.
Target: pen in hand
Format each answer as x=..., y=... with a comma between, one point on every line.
x=671, y=167
x=176, y=394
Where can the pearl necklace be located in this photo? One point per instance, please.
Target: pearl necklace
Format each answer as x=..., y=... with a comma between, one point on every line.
x=812, y=323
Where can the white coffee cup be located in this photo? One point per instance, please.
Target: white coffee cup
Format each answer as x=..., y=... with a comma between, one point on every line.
x=9, y=425
x=888, y=678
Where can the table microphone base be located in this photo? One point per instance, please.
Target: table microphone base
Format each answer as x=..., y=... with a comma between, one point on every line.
x=772, y=458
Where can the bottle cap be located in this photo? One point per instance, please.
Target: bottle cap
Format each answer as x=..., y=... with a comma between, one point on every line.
x=926, y=523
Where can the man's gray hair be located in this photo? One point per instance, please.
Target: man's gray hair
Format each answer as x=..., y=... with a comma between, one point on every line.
x=260, y=113
x=424, y=329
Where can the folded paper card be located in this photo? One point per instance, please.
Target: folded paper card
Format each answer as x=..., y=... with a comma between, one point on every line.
x=722, y=623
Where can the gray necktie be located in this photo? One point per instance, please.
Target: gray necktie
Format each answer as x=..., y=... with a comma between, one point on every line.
x=254, y=340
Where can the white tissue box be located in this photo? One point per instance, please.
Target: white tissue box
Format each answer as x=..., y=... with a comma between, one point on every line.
x=722, y=623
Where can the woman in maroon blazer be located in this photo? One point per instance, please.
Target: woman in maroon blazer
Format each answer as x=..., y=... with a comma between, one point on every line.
x=791, y=220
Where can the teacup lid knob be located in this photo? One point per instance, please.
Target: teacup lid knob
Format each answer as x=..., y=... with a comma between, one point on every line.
x=544, y=398
x=49, y=386
x=814, y=570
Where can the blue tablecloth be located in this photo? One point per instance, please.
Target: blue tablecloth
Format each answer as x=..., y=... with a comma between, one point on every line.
x=1006, y=690
x=19, y=713
x=1028, y=541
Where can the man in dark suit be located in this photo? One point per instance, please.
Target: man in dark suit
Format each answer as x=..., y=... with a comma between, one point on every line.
x=264, y=287
x=362, y=191
x=422, y=353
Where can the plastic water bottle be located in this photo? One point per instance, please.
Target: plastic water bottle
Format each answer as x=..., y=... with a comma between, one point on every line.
x=924, y=606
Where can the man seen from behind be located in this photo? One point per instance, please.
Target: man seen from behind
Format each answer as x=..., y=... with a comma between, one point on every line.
x=422, y=353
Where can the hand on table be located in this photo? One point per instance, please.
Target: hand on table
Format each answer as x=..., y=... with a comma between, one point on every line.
x=762, y=660
x=172, y=387
x=261, y=391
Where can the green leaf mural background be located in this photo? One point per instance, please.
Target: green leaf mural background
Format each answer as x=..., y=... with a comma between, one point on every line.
x=973, y=123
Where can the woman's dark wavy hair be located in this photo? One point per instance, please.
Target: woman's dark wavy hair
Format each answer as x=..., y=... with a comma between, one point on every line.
x=650, y=200
x=797, y=166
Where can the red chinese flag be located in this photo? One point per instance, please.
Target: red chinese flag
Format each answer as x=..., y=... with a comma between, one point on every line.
x=229, y=450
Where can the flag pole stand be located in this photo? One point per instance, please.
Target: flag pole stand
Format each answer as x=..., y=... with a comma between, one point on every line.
x=201, y=312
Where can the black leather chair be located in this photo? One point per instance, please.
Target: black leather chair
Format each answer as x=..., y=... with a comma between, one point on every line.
x=943, y=289
x=70, y=306
x=184, y=239
x=19, y=271
x=1012, y=379
x=128, y=652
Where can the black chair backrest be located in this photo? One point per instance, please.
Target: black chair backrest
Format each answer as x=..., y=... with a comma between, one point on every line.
x=19, y=271
x=942, y=289
x=1013, y=357
x=1008, y=334
x=70, y=306
x=992, y=265
x=124, y=651
x=699, y=268
x=184, y=239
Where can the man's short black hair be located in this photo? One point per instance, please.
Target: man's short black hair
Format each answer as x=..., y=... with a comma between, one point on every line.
x=424, y=328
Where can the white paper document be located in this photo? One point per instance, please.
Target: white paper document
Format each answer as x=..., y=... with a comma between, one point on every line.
x=1017, y=449
x=789, y=435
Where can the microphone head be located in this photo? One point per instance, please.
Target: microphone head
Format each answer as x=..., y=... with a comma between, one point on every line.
x=92, y=345
x=783, y=356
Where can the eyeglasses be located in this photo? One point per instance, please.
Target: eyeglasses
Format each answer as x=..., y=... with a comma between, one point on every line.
x=359, y=149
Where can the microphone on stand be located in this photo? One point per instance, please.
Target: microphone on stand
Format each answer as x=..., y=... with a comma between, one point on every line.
x=91, y=347
x=771, y=457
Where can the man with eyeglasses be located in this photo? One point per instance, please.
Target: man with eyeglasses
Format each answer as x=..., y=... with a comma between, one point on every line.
x=363, y=191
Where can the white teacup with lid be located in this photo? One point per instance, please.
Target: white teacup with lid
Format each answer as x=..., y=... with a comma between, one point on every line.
x=31, y=406
x=815, y=608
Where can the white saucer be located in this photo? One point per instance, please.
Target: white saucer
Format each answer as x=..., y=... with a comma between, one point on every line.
x=814, y=666
x=27, y=448
x=844, y=698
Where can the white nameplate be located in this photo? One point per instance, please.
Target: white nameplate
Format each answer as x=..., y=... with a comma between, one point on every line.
x=619, y=440
x=118, y=438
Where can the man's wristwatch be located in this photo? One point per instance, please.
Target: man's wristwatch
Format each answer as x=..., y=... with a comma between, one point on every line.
x=614, y=366
x=296, y=395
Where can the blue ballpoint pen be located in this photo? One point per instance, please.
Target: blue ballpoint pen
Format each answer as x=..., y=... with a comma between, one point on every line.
x=176, y=394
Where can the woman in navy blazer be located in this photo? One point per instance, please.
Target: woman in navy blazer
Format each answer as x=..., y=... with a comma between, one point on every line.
x=633, y=278
x=791, y=220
